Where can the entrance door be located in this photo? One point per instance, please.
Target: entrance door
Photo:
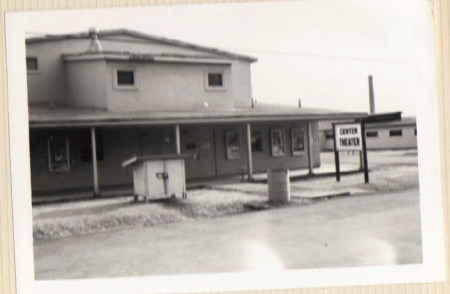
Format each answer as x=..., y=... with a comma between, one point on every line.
x=156, y=142
x=198, y=141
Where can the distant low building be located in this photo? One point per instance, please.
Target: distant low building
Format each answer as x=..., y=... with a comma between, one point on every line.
x=400, y=134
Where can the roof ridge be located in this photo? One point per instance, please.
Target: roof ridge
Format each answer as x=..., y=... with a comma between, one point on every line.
x=138, y=34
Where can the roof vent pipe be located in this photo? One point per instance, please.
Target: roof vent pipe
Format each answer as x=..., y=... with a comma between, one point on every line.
x=371, y=95
x=95, y=43
x=299, y=103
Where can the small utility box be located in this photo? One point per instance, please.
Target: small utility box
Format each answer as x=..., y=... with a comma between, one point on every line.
x=158, y=176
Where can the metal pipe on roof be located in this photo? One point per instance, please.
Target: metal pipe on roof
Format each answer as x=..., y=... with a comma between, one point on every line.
x=95, y=43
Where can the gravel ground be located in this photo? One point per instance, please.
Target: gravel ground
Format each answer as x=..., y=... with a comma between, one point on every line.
x=391, y=171
x=92, y=216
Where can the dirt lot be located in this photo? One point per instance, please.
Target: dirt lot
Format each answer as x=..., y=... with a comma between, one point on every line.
x=341, y=232
x=391, y=171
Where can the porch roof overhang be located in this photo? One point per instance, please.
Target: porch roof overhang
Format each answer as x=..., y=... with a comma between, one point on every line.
x=44, y=117
x=139, y=57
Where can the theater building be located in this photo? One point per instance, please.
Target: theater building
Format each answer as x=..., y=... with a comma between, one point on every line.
x=98, y=98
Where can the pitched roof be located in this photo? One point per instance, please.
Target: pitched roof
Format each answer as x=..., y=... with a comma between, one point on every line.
x=405, y=121
x=130, y=56
x=40, y=117
x=139, y=35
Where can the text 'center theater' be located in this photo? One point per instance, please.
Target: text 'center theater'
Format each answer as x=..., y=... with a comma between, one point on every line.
x=100, y=97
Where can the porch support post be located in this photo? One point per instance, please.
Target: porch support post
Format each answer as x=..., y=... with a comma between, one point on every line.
x=94, y=162
x=361, y=161
x=310, y=149
x=177, y=139
x=249, y=152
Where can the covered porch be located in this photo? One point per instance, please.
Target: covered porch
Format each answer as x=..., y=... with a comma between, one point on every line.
x=225, y=145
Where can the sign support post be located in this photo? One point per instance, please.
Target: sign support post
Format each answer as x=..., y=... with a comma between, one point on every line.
x=336, y=156
x=364, y=151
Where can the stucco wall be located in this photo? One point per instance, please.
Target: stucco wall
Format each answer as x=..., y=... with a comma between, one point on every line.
x=86, y=84
x=48, y=84
x=172, y=87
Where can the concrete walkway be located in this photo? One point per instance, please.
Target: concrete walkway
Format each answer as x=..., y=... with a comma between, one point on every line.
x=323, y=170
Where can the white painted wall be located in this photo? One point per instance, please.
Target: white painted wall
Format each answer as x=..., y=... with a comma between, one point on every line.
x=384, y=141
x=86, y=84
x=177, y=87
x=48, y=84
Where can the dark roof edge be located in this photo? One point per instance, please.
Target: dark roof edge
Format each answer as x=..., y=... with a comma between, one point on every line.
x=139, y=35
x=203, y=120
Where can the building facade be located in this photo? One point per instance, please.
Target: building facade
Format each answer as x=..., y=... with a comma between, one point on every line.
x=399, y=134
x=98, y=98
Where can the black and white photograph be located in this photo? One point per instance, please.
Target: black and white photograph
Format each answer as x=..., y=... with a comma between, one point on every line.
x=226, y=146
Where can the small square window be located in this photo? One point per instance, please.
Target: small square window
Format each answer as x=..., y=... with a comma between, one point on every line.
x=32, y=63
x=125, y=77
x=191, y=146
x=372, y=134
x=215, y=80
x=395, y=133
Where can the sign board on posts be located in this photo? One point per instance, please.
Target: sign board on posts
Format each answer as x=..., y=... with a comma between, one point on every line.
x=348, y=137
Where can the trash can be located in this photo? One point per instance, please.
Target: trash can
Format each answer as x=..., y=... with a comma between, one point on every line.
x=278, y=185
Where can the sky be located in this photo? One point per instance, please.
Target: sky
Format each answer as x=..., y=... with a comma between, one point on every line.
x=318, y=51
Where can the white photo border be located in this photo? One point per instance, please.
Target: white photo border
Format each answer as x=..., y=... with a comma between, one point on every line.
x=431, y=270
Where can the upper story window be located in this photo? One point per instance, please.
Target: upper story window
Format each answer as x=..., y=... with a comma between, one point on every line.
x=32, y=64
x=372, y=134
x=215, y=80
x=125, y=78
x=395, y=133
